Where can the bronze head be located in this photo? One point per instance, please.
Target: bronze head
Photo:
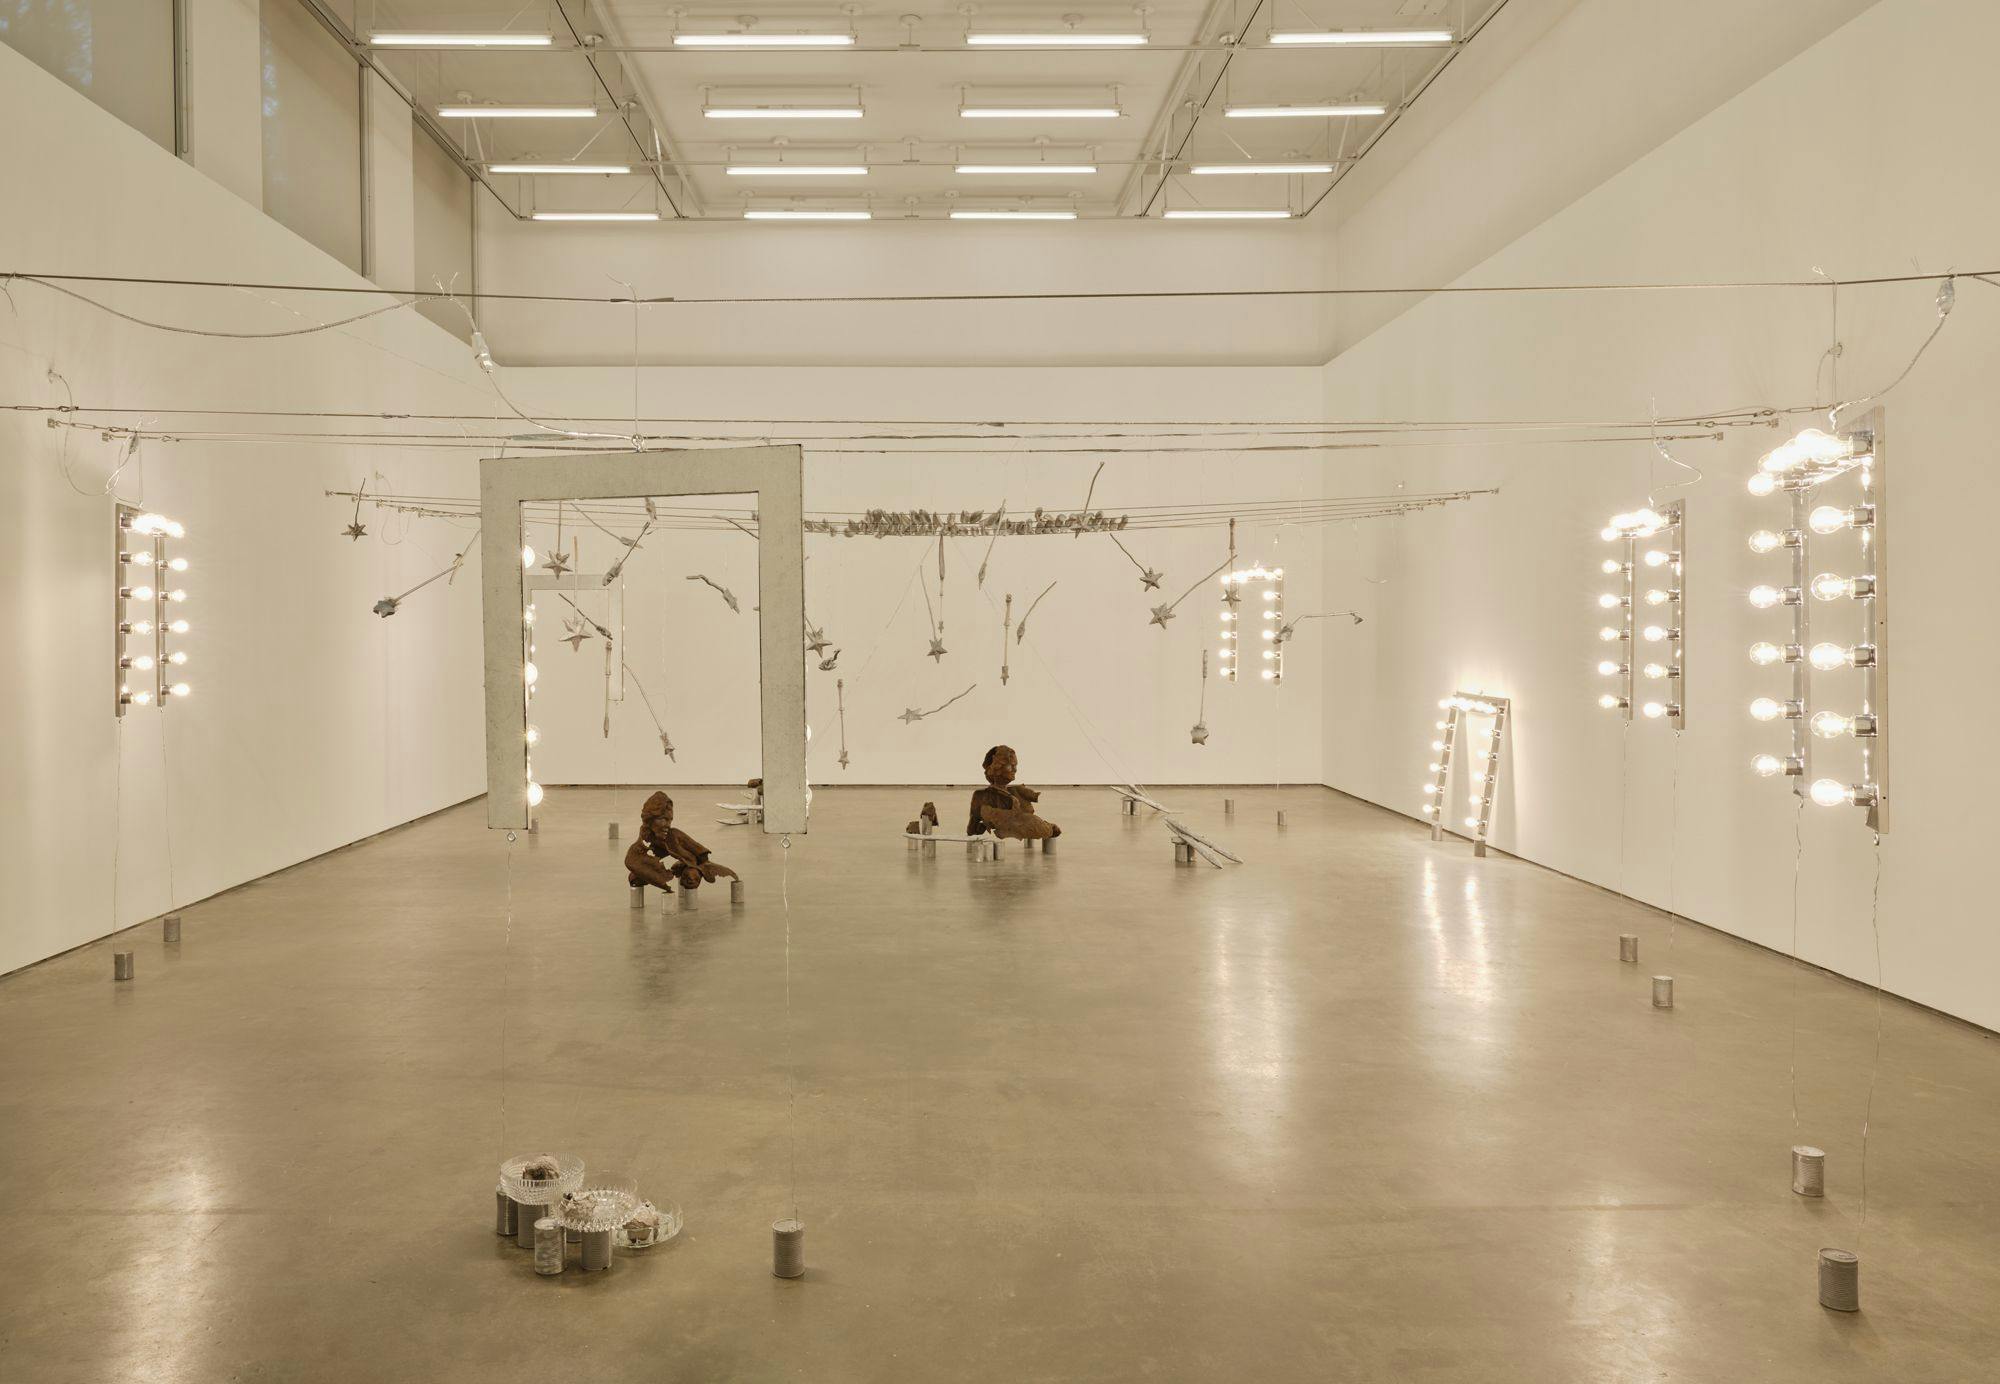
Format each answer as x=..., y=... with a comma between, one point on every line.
x=1000, y=764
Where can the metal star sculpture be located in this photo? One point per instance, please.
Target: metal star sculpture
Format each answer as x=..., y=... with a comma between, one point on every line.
x=386, y=606
x=575, y=633
x=1149, y=579
x=937, y=650
x=1199, y=734
x=910, y=715
x=556, y=564
x=843, y=759
x=1232, y=597
x=357, y=529
x=1161, y=614
x=817, y=641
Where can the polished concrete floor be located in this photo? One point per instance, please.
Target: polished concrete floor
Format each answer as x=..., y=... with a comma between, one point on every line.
x=1364, y=1108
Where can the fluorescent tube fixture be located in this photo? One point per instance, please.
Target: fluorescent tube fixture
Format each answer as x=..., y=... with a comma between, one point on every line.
x=1261, y=168
x=1027, y=170
x=795, y=170
x=1063, y=40
x=1361, y=38
x=1314, y=112
x=807, y=216
x=412, y=40
x=596, y=216
x=763, y=40
x=558, y=168
x=1225, y=214
x=1039, y=112
x=1013, y=216
x=517, y=112
x=782, y=112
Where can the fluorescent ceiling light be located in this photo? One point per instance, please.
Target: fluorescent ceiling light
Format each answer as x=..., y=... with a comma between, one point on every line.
x=1206, y=214
x=1262, y=168
x=409, y=40
x=1362, y=38
x=1027, y=169
x=795, y=170
x=1040, y=112
x=782, y=112
x=1013, y=216
x=807, y=216
x=558, y=168
x=1330, y=111
x=597, y=216
x=1065, y=40
x=763, y=40
x=517, y=112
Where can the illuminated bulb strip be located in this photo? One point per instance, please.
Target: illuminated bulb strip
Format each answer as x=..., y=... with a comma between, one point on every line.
x=1326, y=112
x=1224, y=214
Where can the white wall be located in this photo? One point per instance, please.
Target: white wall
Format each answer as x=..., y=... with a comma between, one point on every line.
x=314, y=722
x=1096, y=694
x=1866, y=154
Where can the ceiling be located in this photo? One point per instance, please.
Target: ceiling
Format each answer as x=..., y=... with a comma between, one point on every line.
x=909, y=70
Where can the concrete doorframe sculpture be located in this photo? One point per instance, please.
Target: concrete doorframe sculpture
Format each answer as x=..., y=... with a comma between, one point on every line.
x=774, y=475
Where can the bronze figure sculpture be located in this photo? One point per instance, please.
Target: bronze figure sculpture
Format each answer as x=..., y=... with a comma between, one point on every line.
x=664, y=855
x=1004, y=807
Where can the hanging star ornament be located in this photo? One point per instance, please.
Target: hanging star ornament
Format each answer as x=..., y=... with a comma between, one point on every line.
x=937, y=649
x=1232, y=597
x=843, y=759
x=1161, y=614
x=1199, y=734
x=667, y=747
x=556, y=564
x=1149, y=579
x=910, y=716
x=386, y=606
x=357, y=529
x=575, y=632
x=817, y=641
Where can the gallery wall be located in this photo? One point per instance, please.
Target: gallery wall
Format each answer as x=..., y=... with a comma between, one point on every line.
x=313, y=722
x=1863, y=155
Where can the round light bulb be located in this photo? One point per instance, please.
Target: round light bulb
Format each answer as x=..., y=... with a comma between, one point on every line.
x=1828, y=587
x=178, y=564
x=1830, y=725
x=1768, y=765
x=1612, y=566
x=1764, y=709
x=142, y=558
x=1764, y=597
x=1654, y=710
x=528, y=616
x=143, y=663
x=1607, y=634
x=178, y=658
x=142, y=627
x=1763, y=483
x=1827, y=519
x=527, y=556
x=1269, y=675
x=1654, y=634
x=180, y=689
x=1430, y=788
x=177, y=595
x=534, y=794
x=1657, y=597
x=1656, y=558
x=1270, y=595
x=1610, y=669
x=1437, y=744
x=1610, y=602
x=1766, y=654
x=1764, y=541
x=1609, y=535
x=178, y=627
x=530, y=672
x=1430, y=809
x=1609, y=702
x=1655, y=670
x=534, y=735
x=1827, y=657
x=141, y=699
x=1438, y=724
x=1472, y=821
x=1830, y=792
x=142, y=593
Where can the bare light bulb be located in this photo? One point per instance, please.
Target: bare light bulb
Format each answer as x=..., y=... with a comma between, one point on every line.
x=1610, y=669
x=1766, y=654
x=1831, y=792
x=1472, y=822
x=180, y=689
x=1610, y=602
x=1610, y=702
x=1430, y=788
x=1827, y=657
x=177, y=627
x=177, y=564
x=1607, y=634
x=1763, y=483
x=1657, y=597
x=1612, y=566
x=534, y=794
x=139, y=593
x=178, y=658
x=1828, y=587
x=140, y=627
x=1655, y=670
x=1764, y=709
x=530, y=673
x=1831, y=725
x=142, y=663
x=1654, y=634
x=534, y=735
x=527, y=556
x=1764, y=541
x=1656, y=558
x=1764, y=597
x=1654, y=710
x=1768, y=765
x=177, y=595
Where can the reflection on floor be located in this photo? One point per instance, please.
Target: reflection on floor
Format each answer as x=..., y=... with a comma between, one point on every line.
x=1363, y=1108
